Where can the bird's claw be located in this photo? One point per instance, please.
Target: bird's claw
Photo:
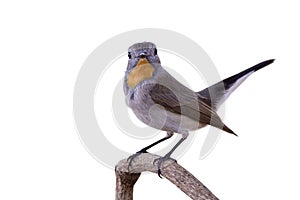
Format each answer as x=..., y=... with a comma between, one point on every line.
x=160, y=161
x=132, y=157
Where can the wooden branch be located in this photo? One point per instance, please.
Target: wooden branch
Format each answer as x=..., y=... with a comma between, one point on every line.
x=170, y=169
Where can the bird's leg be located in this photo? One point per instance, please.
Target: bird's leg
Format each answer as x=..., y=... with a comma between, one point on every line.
x=167, y=156
x=144, y=150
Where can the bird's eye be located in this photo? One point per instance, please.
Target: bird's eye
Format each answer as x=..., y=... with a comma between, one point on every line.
x=155, y=51
x=129, y=55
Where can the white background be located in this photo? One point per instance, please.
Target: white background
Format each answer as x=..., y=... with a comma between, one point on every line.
x=43, y=45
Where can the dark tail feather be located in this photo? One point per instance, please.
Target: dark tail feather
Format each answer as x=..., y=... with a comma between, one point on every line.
x=228, y=130
x=216, y=94
x=229, y=81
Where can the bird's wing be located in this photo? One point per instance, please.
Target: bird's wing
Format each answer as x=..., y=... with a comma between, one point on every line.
x=216, y=94
x=185, y=102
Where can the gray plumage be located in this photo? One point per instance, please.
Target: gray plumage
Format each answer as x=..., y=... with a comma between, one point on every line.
x=162, y=102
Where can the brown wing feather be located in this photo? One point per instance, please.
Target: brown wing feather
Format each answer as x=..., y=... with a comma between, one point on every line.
x=187, y=103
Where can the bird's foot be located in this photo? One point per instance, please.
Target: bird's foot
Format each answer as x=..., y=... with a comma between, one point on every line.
x=132, y=157
x=160, y=161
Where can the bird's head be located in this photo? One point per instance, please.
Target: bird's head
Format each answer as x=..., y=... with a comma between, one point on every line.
x=143, y=62
x=141, y=53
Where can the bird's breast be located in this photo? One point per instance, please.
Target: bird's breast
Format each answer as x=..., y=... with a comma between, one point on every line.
x=143, y=70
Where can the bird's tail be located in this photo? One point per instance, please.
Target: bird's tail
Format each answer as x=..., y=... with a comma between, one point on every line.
x=228, y=130
x=219, y=92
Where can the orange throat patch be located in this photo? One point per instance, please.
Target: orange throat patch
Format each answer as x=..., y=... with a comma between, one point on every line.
x=143, y=70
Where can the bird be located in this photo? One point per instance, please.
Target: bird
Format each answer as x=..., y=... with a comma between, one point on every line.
x=162, y=102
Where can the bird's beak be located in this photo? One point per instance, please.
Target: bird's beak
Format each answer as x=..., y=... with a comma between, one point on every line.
x=142, y=61
x=143, y=55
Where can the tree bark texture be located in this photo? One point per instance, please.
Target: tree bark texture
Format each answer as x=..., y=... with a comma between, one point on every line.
x=170, y=169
